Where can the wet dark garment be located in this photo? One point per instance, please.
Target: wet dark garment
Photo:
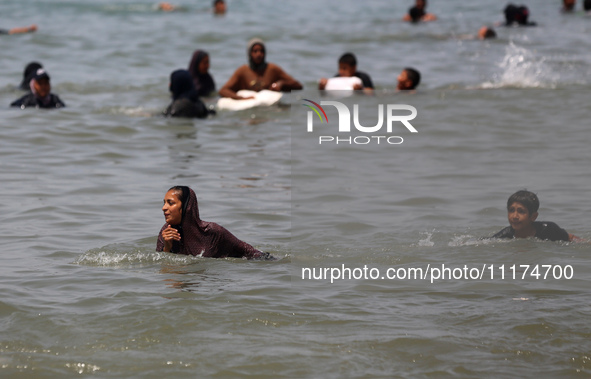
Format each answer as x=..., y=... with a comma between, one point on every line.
x=544, y=230
x=185, y=102
x=4, y=31
x=185, y=107
x=30, y=100
x=207, y=239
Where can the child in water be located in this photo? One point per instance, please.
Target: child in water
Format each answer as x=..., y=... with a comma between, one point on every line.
x=522, y=212
x=347, y=69
x=408, y=79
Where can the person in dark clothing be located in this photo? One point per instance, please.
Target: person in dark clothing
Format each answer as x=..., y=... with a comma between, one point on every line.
x=40, y=96
x=185, y=101
x=522, y=212
x=202, y=80
x=517, y=15
x=30, y=70
x=419, y=13
x=347, y=69
x=185, y=233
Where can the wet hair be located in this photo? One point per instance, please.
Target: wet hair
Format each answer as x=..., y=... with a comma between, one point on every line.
x=415, y=14
x=215, y=2
x=527, y=198
x=348, y=58
x=414, y=76
x=28, y=74
x=587, y=5
x=490, y=33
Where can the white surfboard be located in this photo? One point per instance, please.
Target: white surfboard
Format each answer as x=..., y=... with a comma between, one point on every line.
x=262, y=98
x=342, y=83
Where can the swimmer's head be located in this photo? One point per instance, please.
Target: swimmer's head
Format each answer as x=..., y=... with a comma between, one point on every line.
x=486, y=32
x=181, y=83
x=568, y=5
x=528, y=199
x=347, y=65
x=408, y=79
x=421, y=4
x=256, y=54
x=40, y=83
x=199, y=64
x=182, y=194
x=219, y=7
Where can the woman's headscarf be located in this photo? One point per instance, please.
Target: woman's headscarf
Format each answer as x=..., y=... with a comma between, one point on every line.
x=251, y=44
x=204, y=84
x=201, y=238
x=181, y=85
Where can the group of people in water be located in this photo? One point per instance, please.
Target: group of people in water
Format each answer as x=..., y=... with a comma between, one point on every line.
x=184, y=232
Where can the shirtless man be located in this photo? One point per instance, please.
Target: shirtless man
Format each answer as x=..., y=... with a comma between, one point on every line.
x=258, y=75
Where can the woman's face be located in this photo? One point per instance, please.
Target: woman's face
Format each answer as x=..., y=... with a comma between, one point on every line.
x=42, y=87
x=204, y=65
x=172, y=208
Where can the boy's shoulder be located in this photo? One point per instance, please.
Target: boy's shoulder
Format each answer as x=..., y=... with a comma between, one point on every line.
x=547, y=230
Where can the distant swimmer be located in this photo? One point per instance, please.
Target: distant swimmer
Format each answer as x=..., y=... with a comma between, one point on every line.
x=199, y=69
x=219, y=7
x=408, y=79
x=20, y=30
x=418, y=13
x=568, y=6
x=185, y=101
x=258, y=75
x=522, y=212
x=30, y=70
x=347, y=69
x=40, y=96
x=486, y=32
x=185, y=233
x=517, y=15
x=166, y=7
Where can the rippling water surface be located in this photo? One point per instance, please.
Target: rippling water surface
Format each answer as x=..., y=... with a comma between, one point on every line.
x=84, y=292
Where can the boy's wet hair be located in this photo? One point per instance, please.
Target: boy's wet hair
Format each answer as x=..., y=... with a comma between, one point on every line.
x=527, y=198
x=348, y=58
x=414, y=76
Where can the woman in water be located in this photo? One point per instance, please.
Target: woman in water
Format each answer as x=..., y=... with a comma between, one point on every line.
x=185, y=233
x=40, y=96
x=185, y=101
x=202, y=80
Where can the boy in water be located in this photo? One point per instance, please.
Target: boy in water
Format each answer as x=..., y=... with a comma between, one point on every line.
x=408, y=79
x=347, y=69
x=522, y=212
x=419, y=13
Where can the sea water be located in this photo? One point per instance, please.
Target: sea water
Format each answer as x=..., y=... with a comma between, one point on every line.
x=84, y=292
